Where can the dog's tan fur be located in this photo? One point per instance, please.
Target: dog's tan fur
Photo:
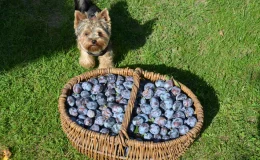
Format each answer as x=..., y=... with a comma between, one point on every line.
x=96, y=29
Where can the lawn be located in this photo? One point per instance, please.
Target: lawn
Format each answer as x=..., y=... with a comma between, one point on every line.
x=212, y=46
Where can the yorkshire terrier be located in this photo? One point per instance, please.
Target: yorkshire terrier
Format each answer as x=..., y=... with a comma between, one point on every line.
x=93, y=30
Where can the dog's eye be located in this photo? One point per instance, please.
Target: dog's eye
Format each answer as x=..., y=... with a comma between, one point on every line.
x=100, y=34
x=86, y=34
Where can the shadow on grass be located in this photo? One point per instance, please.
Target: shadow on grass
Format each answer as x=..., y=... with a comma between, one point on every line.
x=205, y=93
x=255, y=82
x=258, y=126
x=258, y=87
x=127, y=33
x=32, y=28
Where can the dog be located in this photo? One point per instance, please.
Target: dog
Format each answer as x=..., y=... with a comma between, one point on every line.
x=93, y=30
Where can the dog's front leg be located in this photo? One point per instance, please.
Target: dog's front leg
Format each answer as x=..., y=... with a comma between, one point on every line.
x=106, y=61
x=86, y=60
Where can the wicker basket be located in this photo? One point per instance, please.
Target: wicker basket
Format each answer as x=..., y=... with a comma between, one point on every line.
x=100, y=146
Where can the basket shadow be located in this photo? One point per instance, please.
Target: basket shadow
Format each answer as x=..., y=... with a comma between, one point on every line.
x=127, y=33
x=205, y=93
x=32, y=29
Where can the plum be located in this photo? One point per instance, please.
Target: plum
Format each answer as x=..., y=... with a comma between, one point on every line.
x=143, y=128
x=183, y=129
x=159, y=83
x=71, y=101
x=77, y=88
x=154, y=129
x=87, y=86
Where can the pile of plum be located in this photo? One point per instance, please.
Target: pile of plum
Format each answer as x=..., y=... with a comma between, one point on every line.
x=98, y=104
x=161, y=112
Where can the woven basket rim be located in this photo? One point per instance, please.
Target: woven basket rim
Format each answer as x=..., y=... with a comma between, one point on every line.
x=193, y=133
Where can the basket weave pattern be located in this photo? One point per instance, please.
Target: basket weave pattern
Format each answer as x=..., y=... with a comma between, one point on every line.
x=100, y=146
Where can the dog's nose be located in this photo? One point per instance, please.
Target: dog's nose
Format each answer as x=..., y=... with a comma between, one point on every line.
x=94, y=41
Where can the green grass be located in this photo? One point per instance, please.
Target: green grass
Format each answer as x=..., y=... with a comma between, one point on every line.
x=210, y=46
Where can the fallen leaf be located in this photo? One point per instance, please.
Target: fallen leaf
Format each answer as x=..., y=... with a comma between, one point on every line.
x=221, y=33
x=6, y=154
x=167, y=77
x=176, y=83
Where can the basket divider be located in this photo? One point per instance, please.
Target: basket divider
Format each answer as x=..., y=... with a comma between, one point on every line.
x=131, y=104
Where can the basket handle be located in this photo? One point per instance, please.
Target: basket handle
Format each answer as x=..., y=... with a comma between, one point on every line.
x=128, y=113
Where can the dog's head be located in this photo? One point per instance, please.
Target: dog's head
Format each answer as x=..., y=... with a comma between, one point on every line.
x=93, y=34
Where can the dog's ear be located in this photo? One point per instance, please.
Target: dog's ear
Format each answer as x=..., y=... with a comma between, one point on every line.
x=104, y=15
x=78, y=17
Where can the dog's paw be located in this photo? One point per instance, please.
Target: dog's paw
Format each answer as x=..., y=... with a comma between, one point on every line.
x=87, y=63
x=106, y=66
